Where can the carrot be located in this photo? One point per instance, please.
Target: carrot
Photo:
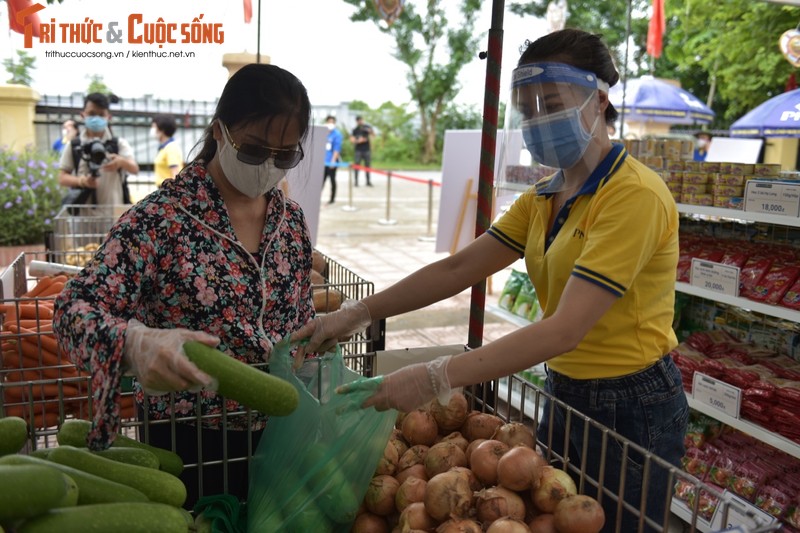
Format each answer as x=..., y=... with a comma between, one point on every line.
x=43, y=326
x=53, y=290
x=52, y=369
x=40, y=419
x=47, y=342
x=43, y=283
x=41, y=392
x=37, y=310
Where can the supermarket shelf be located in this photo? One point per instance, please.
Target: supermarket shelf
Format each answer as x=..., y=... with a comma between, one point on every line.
x=511, y=317
x=516, y=399
x=682, y=511
x=744, y=303
x=768, y=437
x=737, y=214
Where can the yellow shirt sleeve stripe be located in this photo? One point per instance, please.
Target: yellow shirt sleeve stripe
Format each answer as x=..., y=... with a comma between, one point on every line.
x=508, y=241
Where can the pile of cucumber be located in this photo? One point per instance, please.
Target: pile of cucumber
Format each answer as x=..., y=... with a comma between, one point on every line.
x=129, y=488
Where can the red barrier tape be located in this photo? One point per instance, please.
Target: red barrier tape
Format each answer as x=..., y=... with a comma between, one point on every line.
x=394, y=175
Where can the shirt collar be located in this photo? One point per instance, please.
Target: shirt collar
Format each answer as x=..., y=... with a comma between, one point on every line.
x=610, y=163
x=162, y=145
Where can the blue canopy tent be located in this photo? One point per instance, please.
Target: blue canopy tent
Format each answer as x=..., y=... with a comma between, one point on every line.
x=777, y=117
x=649, y=99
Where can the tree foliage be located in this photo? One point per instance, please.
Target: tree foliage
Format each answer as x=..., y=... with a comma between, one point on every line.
x=729, y=47
x=434, y=50
x=97, y=85
x=20, y=70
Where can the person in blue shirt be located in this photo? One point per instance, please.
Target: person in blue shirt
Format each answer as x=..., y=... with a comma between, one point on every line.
x=69, y=130
x=701, y=145
x=333, y=154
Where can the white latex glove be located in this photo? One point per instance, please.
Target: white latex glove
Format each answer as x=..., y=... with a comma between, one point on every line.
x=156, y=358
x=407, y=388
x=325, y=331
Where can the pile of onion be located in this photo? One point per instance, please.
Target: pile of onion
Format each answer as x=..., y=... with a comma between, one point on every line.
x=447, y=469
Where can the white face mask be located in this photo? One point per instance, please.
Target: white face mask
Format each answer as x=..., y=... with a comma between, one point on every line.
x=330, y=126
x=153, y=132
x=250, y=180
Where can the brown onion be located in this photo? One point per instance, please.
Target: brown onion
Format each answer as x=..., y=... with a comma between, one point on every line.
x=398, y=423
x=484, y=459
x=579, y=514
x=508, y=525
x=380, y=495
x=459, y=526
x=413, y=456
x=498, y=502
x=474, y=483
x=370, y=523
x=450, y=416
x=448, y=495
x=415, y=516
x=388, y=463
x=458, y=439
x=417, y=471
x=399, y=444
x=515, y=434
x=411, y=491
x=480, y=426
x=442, y=457
x=419, y=427
x=520, y=468
x=554, y=486
x=471, y=447
x=544, y=523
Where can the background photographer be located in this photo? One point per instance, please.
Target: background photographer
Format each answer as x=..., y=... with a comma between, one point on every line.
x=96, y=178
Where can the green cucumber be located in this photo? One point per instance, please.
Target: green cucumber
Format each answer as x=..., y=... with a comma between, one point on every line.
x=91, y=489
x=13, y=434
x=335, y=494
x=246, y=384
x=41, y=453
x=29, y=490
x=158, y=486
x=131, y=456
x=74, y=432
x=71, y=497
x=102, y=518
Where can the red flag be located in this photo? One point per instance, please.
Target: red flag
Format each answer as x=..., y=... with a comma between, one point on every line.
x=656, y=29
x=22, y=13
x=248, y=11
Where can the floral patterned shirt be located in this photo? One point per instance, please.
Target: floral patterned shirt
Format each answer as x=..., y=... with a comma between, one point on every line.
x=172, y=261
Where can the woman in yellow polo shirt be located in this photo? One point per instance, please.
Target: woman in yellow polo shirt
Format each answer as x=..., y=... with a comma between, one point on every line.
x=600, y=242
x=169, y=159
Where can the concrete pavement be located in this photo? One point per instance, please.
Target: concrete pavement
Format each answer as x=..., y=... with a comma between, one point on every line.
x=354, y=232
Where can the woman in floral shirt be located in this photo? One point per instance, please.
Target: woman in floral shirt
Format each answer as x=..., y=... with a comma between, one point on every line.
x=218, y=254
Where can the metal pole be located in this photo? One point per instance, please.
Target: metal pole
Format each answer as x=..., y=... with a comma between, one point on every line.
x=349, y=206
x=388, y=220
x=429, y=235
x=486, y=176
x=258, y=37
x=625, y=73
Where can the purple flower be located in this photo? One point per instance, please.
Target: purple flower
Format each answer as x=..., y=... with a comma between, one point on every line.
x=29, y=212
x=31, y=164
x=20, y=171
x=43, y=173
x=24, y=188
x=47, y=221
x=8, y=205
x=18, y=200
x=42, y=164
x=3, y=185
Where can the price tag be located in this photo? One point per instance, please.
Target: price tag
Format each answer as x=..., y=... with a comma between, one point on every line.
x=716, y=394
x=772, y=197
x=715, y=277
x=741, y=513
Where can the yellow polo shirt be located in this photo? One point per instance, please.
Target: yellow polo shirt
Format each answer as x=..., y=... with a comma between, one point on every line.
x=169, y=155
x=620, y=231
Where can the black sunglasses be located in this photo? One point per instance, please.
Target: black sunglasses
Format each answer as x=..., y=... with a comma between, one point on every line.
x=255, y=154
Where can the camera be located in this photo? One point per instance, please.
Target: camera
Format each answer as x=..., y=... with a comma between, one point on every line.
x=95, y=153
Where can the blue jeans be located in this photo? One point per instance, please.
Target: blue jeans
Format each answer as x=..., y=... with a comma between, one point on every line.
x=647, y=408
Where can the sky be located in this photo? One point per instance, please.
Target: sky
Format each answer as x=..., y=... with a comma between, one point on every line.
x=337, y=60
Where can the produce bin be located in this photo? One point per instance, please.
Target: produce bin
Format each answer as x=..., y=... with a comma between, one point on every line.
x=78, y=231
x=59, y=392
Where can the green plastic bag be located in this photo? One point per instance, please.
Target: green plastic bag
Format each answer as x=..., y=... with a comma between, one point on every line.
x=312, y=468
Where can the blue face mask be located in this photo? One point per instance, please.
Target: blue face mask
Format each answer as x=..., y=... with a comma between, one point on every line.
x=96, y=124
x=559, y=140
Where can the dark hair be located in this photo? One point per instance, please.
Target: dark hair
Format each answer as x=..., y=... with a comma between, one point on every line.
x=98, y=99
x=330, y=117
x=702, y=134
x=578, y=48
x=166, y=123
x=359, y=117
x=255, y=92
x=73, y=122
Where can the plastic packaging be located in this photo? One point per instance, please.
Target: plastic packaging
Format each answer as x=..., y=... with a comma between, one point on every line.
x=312, y=468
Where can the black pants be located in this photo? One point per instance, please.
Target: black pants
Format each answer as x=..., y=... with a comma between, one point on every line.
x=330, y=172
x=210, y=468
x=363, y=158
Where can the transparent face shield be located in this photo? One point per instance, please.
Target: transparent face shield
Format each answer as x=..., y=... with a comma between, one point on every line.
x=551, y=117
